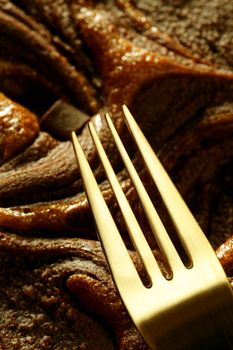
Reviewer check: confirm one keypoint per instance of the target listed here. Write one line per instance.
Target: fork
(193, 308)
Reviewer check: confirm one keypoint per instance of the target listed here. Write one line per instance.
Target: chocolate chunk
(62, 118)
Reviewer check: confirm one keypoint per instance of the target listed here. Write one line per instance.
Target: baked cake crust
(171, 63)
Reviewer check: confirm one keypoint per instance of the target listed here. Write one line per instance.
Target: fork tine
(187, 228)
(155, 222)
(133, 227)
(113, 245)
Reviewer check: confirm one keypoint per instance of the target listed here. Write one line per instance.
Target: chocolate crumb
(62, 118)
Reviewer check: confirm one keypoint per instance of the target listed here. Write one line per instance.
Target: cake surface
(63, 63)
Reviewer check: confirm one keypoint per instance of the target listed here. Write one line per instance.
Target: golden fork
(194, 308)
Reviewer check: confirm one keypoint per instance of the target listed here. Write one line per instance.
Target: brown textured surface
(51, 304)
(171, 63)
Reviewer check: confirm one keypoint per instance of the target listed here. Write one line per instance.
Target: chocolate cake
(62, 63)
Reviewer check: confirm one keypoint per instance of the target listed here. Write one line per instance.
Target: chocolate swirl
(171, 63)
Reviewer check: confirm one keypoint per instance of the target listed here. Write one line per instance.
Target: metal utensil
(194, 308)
